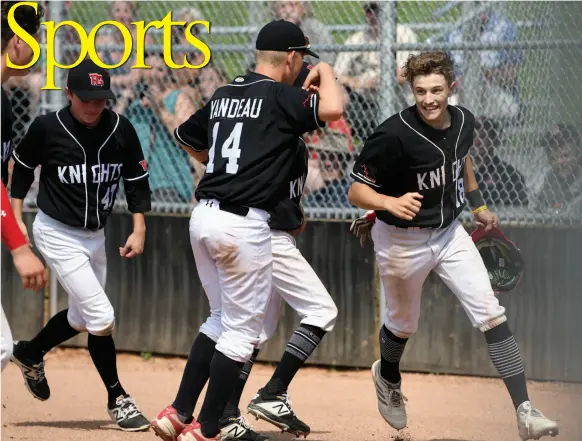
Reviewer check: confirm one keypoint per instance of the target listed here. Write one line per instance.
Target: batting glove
(362, 227)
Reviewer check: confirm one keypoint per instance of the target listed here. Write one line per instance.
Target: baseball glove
(362, 227)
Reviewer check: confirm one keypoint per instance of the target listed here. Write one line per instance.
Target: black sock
(231, 408)
(506, 358)
(301, 345)
(391, 349)
(56, 331)
(195, 376)
(102, 351)
(224, 374)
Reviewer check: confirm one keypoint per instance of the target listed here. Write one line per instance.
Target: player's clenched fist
(405, 207)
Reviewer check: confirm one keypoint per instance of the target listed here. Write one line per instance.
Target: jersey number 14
(229, 150)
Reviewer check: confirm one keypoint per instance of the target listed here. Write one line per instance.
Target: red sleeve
(11, 234)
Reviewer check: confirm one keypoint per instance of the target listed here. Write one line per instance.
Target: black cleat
(127, 416)
(277, 410)
(237, 428)
(33, 372)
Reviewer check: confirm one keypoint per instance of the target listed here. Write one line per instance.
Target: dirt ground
(337, 405)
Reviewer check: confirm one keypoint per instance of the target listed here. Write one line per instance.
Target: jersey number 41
(229, 149)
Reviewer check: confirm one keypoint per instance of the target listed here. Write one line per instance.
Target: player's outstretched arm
(483, 217)
(330, 92)
(28, 266)
(405, 207)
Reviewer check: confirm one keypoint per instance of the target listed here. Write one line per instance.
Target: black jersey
(81, 167)
(405, 155)
(7, 135)
(250, 127)
(287, 214)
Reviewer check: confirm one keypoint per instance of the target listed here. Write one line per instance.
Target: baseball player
(415, 173)
(247, 135)
(84, 150)
(295, 282)
(28, 266)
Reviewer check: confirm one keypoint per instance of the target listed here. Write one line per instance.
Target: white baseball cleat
(533, 424)
(390, 399)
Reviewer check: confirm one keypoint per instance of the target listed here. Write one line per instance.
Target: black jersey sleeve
(135, 172)
(193, 132)
(300, 106)
(27, 156)
(378, 158)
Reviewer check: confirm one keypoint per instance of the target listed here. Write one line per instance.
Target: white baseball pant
(234, 262)
(406, 257)
(7, 344)
(77, 256)
(297, 283)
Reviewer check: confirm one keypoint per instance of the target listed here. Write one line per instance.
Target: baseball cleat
(168, 425)
(193, 432)
(237, 428)
(277, 410)
(533, 424)
(127, 416)
(390, 399)
(33, 372)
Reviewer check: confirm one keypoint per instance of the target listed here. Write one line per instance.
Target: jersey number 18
(229, 149)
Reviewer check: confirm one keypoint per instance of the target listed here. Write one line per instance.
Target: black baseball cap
(90, 82)
(283, 36)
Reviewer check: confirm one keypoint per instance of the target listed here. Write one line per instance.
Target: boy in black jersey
(247, 135)
(295, 282)
(84, 150)
(416, 174)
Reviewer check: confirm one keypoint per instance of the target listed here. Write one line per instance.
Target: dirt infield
(337, 405)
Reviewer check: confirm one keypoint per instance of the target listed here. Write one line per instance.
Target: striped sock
(391, 349)
(301, 345)
(505, 356)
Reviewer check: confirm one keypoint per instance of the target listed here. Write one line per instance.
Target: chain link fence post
(388, 19)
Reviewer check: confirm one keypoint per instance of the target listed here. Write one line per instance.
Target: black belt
(235, 209)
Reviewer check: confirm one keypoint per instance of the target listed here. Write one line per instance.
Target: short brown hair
(428, 63)
(26, 18)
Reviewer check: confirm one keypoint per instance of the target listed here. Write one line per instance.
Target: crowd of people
(157, 99)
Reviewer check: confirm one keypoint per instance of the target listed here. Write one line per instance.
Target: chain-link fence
(517, 71)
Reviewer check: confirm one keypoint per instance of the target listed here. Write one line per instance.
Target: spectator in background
(500, 183)
(123, 76)
(562, 187)
(328, 179)
(201, 82)
(300, 13)
(155, 108)
(359, 72)
(496, 92)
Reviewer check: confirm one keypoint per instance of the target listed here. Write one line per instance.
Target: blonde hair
(274, 58)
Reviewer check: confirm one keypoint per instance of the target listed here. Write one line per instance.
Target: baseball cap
(283, 36)
(90, 82)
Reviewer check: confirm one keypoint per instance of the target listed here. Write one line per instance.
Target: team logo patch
(96, 79)
(144, 165)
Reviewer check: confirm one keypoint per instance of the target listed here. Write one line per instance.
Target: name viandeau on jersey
(236, 108)
(101, 173)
